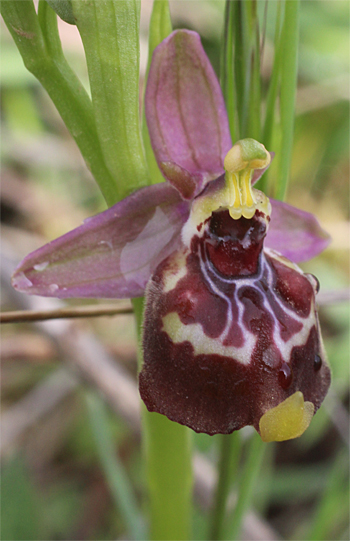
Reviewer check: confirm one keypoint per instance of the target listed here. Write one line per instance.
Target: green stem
(167, 445)
(246, 486)
(118, 482)
(168, 465)
(160, 27)
(273, 84)
(48, 23)
(270, 118)
(239, 63)
(289, 68)
(167, 449)
(227, 67)
(331, 501)
(253, 129)
(42, 57)
(138, 306)
(228, 465)
(245, 22)
(109, 30)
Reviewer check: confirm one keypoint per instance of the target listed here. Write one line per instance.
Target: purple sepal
(186, 114)
(113, 254)
(294, 233)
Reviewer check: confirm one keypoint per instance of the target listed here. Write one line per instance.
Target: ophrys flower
(231, 335)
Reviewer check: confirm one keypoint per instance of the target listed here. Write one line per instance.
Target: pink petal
(294, 233)
(186, 113)
(112, 254)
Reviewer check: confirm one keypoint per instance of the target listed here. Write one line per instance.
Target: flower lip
(223, 227)
(234, 247)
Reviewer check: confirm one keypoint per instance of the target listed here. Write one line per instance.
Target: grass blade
(227, 66)
(273, 84)
(332, 512)
(118, 482)
(289, 67)
(254, 108)
(246, 485)
(230, 452)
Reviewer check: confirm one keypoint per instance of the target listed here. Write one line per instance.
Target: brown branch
(99, 310)
(22, 316)
(333, 296)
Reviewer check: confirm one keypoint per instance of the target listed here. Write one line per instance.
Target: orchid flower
(231, 334)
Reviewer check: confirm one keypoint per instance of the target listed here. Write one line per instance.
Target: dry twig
(93, 310)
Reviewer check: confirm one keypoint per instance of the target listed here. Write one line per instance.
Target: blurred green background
(53, 485)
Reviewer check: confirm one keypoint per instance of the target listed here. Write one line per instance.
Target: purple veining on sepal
(294, 233)
(186, 114)
(113, 254)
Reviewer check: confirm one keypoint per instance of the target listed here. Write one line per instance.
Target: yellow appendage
(237, 195)
(288, 420)
(240, 162)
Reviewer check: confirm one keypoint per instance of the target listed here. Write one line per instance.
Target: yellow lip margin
(288, 420)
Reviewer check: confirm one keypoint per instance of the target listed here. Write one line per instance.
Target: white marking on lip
(178, 271)
(203, 344)
(299, 338)
(284, 347)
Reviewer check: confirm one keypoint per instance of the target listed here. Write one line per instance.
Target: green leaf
(332, 512)
(38, 44)
(20, 506)
(273, 84)
(110, 33)
(246, 485)
(253, 129)
(64, 10)
(240, 63)
(289, 68)
(160, 26)
(230, 452)
(227, 67)
(270, 114)
(117, 479)
(247, 65)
